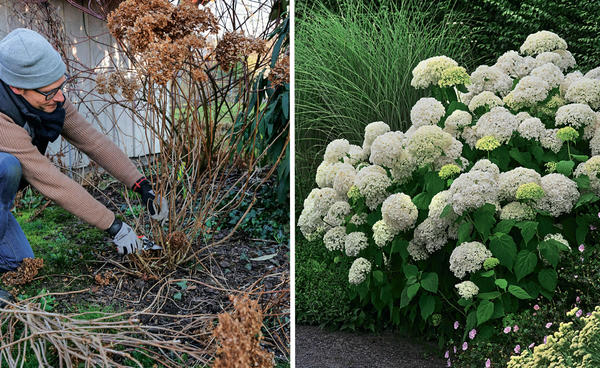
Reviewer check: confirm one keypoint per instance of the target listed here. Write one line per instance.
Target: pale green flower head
(487, 143)
(550, 167)
(436, 319)
(354, 193)
(530, 191)
(490, 263)
(454, 76)
(567, 134)
(448, 171)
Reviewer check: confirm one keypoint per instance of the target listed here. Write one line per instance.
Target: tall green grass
(354, 67)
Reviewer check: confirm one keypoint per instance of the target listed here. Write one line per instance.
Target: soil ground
(318, 348)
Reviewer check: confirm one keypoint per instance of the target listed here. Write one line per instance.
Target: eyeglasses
(50, 94)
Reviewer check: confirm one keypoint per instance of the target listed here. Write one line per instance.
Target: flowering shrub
(468, 213)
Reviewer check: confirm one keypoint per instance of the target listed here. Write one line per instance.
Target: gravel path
(316, 348)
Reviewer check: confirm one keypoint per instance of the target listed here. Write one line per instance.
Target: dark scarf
(46, 126)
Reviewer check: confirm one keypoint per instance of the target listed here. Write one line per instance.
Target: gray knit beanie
(28, 60)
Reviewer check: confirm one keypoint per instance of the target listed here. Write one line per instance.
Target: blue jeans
(13, 243)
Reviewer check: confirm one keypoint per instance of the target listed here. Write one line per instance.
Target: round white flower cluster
(468, 257)
(387, 149)
(509, 182)
(528, 92)
(531, 128)
(359, 271)
(355, 155)
(316, 206)
(517, 211)
(373, 131)
(594, 73)
(344, 179)
(359, 219)
(429, 71)
(561, 194)
(542, 41)
(399, 213)
(591, 168)
(575, 115)
(372, 182)
(335, 239)
(382, 233)
(336, 150)
(355, 242)
(472, 190)
(467, 289)
(438, 204)
(430, 235)
(417, 251)
(455, 123)
(499, 123)
(563, 59)
(487, 166)
(486, 99)
(427, 111)
(515, 65)
(327, 172)
(559, 238)
(428, 143)
(493, 79)
(585, 91)
(337, 213)
(569, 79)
(550, 141)
(549, 73)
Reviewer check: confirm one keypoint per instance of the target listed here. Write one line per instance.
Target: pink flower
(581, 247)
(488, 363)
(465, 346)
(545, 339)
(456, 324)
(577, 300)
(454, 349)
(447, 355)
(507, 329)
(536, 307)
(592, 227)
(472, 334)
(531, 345)
(588, 314)
(515, 328)
(598, 214)
(579, 313)
(448, 363)
(518, 349)
(549, 324)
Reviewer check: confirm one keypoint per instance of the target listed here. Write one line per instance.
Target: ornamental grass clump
(468, 213)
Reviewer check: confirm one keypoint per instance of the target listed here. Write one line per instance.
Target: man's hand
(124, 237)
(158, 211)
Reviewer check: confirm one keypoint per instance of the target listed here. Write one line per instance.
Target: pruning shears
(148, 244)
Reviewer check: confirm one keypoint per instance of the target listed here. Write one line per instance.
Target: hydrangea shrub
(468, 213)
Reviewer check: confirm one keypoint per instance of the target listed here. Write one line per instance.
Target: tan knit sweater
(43, 175)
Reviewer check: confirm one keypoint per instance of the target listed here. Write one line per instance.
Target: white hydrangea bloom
(344, 179)
(327, 172)
(468, 257)
(531, 128)
(356, 154)
(429, 71)
(569, 79)
(382, 233)
(575, 115)
(517, 211)
(399, 213)
(403, 169)
(485, 98)
(548, 57)
(437, 206)
(559, 238)
(523, 115)
(431, 235)
(542, 41)
(311, 225)
(359, 219)
(427, 144)
(335, 239)
(493, 79)
(528, 92)
(336, 150)
(451, 154)
(499, 122)
(359, 271)
(549, 73)
(316, 206)
(373, 131)
(337, 213)
(427, 111)
(387, 149)
(320, 200)
(586, 91)
(469, 135)
(561, 194)
(593, 74)
(465, 97)
(417, 251)
(467, 289)
(455, 123)
(472, 190)
(514, 64)
(550, 141)
(591, 168)
(487, 166)
(511, 180)
(595, 143)
(567, 61)
(355, 242)
(372, 182)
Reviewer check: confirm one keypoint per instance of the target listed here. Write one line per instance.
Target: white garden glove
(124, 237)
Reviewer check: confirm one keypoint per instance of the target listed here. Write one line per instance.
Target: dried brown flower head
(234, 46)
(239, 336)
(25, 273)
(280, 74)
(110, 83)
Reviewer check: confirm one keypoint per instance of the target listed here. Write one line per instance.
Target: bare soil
(318, 348)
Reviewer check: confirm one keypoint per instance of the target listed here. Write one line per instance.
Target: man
(34, 112)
